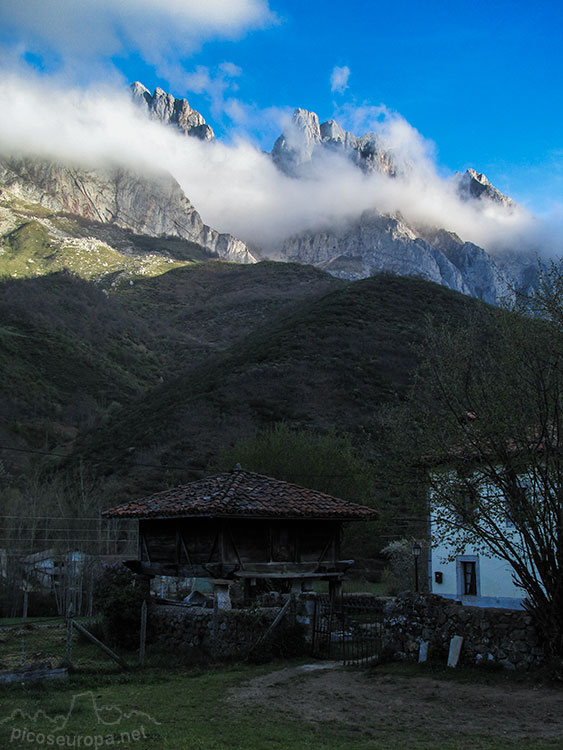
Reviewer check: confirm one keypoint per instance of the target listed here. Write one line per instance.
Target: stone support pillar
(222, 594)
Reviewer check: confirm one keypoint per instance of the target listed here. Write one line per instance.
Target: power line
(94, 461)
(67, 518)
(403, 483)
(398, 483)
(144, 465)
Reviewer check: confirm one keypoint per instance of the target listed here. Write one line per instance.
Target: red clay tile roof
(241, 493)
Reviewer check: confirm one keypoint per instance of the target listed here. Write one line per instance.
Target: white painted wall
(495, 587)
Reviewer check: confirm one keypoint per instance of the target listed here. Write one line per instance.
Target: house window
(508, 522)
(466, 505)
(467, 572)
(469, 578)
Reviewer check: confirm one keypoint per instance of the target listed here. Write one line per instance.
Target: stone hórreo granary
(242, 525)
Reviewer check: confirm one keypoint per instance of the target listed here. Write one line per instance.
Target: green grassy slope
(35, 241)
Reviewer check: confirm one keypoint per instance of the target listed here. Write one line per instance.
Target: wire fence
(49, 562)
(43, 643)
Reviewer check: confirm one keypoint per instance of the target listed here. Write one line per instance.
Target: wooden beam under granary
(241, 525)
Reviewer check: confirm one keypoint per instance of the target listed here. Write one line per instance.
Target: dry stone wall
(492, 636)
(216, 632)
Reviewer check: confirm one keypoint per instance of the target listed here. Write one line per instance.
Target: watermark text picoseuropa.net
(31, 737)
(106, 724)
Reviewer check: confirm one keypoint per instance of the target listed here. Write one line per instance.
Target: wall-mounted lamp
(416, 550)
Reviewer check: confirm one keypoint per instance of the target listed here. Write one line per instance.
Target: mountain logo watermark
(107, 725)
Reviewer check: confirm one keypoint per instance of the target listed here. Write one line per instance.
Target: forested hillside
(152, 384)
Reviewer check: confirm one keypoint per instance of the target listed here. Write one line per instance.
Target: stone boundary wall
(221, 632)
(233, 631)
(493, 636)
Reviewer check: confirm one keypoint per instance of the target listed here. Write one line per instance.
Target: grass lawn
(194, 708)
(43, 639)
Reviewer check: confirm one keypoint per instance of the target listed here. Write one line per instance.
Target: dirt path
(379, 702)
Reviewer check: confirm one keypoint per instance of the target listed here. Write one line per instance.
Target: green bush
(118, 597)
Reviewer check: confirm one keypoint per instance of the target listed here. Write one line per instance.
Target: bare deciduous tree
(486, 421)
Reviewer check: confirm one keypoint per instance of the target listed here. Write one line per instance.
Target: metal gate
(347, 629)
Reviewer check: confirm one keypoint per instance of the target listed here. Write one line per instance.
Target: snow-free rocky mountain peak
(475, 185)
(306, 140)
(108, 202)
(169, 110)
(376, 242)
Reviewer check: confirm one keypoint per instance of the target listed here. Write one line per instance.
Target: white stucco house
(460, 570)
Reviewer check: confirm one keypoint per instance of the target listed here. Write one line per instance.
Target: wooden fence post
(25, 601)
(143, 638)
(68, 651)
(99, 644)
(279, 617)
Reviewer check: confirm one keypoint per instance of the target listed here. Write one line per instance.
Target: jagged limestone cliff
(375, 241)
(305, 141)
(148, 204)
(153, 205)
(169, 110)
(475, 185)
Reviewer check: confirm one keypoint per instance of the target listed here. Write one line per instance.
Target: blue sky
(481, 80)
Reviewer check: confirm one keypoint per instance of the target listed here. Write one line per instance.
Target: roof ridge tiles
(242, 493)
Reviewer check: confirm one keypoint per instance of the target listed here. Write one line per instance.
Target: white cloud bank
(236, 187)
(83, 33)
